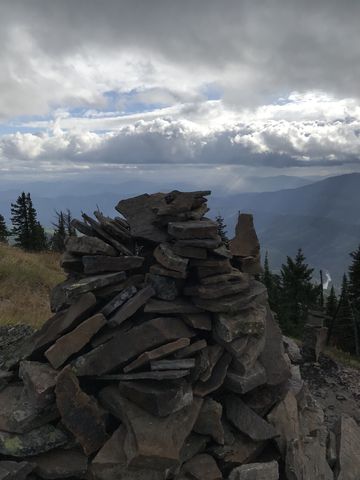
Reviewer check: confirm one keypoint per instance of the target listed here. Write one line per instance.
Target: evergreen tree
(60, 232)
(29, 234)
(4, 233)
(354, 280)
(344, 331)
(331, 304)
(297, 293)
(222, 229)
(70, 230)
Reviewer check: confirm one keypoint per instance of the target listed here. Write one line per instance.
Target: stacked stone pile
(162, 360)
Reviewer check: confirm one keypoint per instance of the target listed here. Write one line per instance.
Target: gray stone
(215, 291)
(216, 379)
(36, 441)
(242, 384)
(191, 349)
(80, 413)
(154, 375)
(125, 346)
(250, 321)
(153, 442)
(199, 321)
(140, 213)
(39, 381)
(158, 398)
(208, 243)
(213, 354)
(61, 464)
(165, 255)
(165, 287)
(90, 284)
(157, 353)
(257, 471)
(209, 421)
(202, 467)
(247, 421)
(89, 246)
(185, 364)
(182, 202)
(74, 341)
(131, 306)
(71, 263)
(272, 356)
(15, 470)
(348, 445)
(99, 263)
(222, 266)
(19, 414)
(118, 300)
(178, 306)
(292, 349)
(193, 229)
(190, 252)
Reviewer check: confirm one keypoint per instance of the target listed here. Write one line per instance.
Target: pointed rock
(80, 413)
(245, 243)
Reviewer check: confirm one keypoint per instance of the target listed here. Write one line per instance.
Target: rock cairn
(162, 360)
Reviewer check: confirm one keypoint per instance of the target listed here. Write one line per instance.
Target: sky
(205, 91)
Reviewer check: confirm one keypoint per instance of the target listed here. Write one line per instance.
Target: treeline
(27, 231)
(294, 290)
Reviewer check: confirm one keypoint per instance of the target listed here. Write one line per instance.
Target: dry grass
(25, 283)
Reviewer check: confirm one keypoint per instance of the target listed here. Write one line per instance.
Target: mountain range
(320, 216)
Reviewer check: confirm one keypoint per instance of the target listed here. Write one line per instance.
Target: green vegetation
(26, 280)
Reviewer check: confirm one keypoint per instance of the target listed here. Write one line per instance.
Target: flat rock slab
(234, 276)
(157, 353)
(159, 399)
(99, 263)
(202, 467)
(182, 202)
(215, 291)
(247, 421)
(191, 349)
(216, 379)
(245, 243)
(256, 471)
(37, 441)
(156, 375)
(63, 322)
(251, 379)
(158, 269)
(233, 303)
(199, 321)
(165, 287)
(165, 255)
(190, 252)
(39, 381)
(223, 266)
(71, 263)
(178, 306)
(348, 463)
(89, 246)
(153, 442)
(111, 463)
(119, 300)
(125, 346)
(185, 364)
(193, 229)
(74, 341)
(15, 470)
(250, 321)
(80, 413)
(207, 243)
(19, 414)
(94, 283)
(61, 464)
(140, 213)
(209, 421)
(131, 306)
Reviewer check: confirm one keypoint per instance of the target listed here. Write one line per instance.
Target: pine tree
(70, 230)
(354, 279)
(297, 293)
(222, 229)
(58, 239)
(29, 234)
(344, 331)
(271, 281)
(4, 233)
(331, 304)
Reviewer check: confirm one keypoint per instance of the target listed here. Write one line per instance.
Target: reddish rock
(80, 413)
(245, 243)
(74, 341)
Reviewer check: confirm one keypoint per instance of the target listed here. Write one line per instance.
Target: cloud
(70, 53)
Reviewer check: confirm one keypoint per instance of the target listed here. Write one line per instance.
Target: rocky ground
(336, 388)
